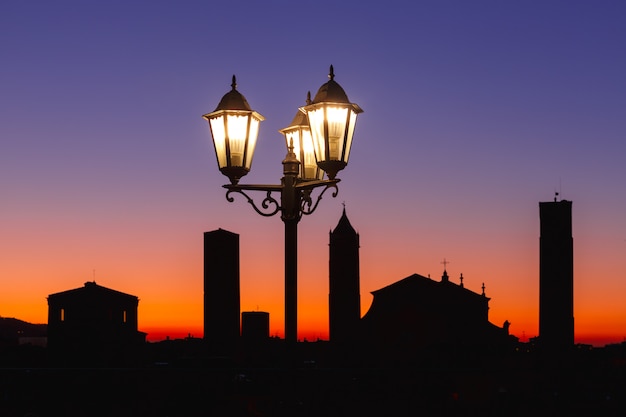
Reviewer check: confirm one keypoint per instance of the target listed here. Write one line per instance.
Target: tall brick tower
(556, 276)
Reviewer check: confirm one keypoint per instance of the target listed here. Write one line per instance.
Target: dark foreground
(195, 391)
(180, 379)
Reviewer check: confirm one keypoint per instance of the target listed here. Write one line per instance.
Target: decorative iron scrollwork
(269, 205)
(300, 191)
(306, 203)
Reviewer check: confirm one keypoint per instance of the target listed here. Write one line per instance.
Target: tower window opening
(62, 315)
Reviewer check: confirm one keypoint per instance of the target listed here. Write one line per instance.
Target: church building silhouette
(414, 313)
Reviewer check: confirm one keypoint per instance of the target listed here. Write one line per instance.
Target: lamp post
(321, 131)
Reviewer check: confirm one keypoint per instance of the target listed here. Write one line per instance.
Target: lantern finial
(331, 75)
(308, 98)
(234, 83)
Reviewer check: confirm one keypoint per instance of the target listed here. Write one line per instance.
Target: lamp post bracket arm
(254, 187)
(269, 205)
(309, 185)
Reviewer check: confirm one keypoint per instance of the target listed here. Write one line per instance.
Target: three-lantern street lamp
(318, 142)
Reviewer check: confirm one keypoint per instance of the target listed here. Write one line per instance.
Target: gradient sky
(474, 112)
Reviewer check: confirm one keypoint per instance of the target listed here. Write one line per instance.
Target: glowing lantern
(332, 119)
(298, 136)
(234, 128)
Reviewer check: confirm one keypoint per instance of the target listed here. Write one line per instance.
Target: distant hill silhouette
(11, 329)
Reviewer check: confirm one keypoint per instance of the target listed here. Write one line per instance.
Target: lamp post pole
(290, 197)
(321, 134)
(291, 280)
(295, 201)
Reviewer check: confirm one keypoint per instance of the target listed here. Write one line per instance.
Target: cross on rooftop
(445, 262)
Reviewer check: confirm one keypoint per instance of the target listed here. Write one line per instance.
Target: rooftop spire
(344, 226)
(444, 277)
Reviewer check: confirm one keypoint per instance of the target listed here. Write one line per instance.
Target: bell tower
(556, 276)
(344, 298)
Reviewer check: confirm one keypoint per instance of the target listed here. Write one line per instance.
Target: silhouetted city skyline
(473, 112)
(411, 314)
(422, 340)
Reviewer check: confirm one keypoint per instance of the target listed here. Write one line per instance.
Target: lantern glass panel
(350, 134)
(337, 118)
(237, 126)
(254, 133)
(219, 139)
(316, 121)
(309, 164)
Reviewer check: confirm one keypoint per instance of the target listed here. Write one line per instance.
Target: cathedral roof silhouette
(419, 312)
(417, 286)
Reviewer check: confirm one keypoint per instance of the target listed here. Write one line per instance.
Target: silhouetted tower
(344, 298)
(221, 289)
(556, 276)
(255, 326)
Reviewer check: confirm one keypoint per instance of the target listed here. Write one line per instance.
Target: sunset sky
(474, 112)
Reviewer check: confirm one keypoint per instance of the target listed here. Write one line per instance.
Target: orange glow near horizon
(171, 295)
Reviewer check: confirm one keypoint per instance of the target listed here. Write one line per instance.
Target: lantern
(234, 128)
(332, 119)
(298, 136)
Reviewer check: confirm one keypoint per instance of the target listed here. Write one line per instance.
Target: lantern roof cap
(300, 119)
(331, 91)
(233, 100)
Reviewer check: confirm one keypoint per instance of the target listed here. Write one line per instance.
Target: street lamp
(322, 131)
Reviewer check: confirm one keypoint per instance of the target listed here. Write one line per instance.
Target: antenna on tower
(557, 193)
